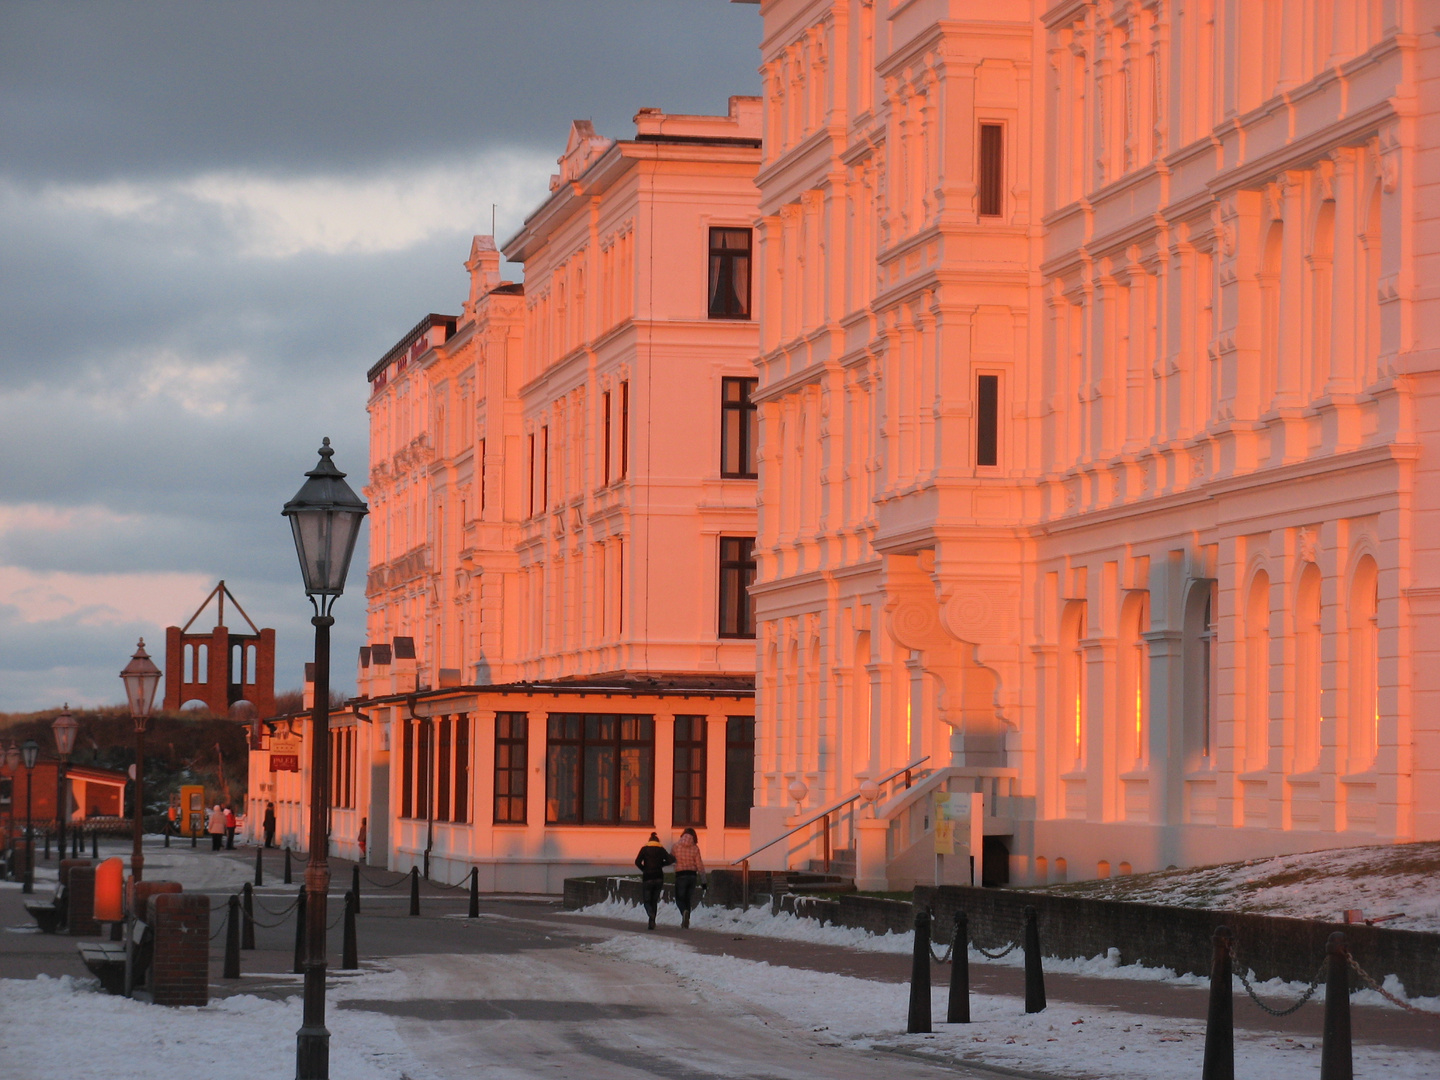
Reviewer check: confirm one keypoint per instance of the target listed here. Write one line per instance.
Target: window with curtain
(737, 574)
(688, 804)
(599, 769)
(739, 431)
(511, 753)
(729, 294)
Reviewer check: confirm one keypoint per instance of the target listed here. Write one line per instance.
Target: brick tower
(220, 667)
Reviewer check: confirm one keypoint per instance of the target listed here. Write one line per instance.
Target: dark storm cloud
(95, 90)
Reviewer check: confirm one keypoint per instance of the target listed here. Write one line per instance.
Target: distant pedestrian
(215, 826)
(230, 824)
(268, 823)
(364, 822)
(688, 868)
(170, 820)
(652, 860)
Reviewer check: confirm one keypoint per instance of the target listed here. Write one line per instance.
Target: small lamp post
(325, 518)
(10, 763)
(29, 752)
(64, 726)
(141, 677)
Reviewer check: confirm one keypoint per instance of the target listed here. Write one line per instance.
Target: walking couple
(653, 859)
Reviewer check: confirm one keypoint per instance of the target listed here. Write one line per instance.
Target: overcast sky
(213, 219)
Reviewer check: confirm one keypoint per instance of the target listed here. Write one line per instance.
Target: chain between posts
(997, 955)
(1370, 982)
(1240, 970)
(403, 880)
(949, 951)
(279, 915)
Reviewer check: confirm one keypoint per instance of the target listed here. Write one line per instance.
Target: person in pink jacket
(688, 868)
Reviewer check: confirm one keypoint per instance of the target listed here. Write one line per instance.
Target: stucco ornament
(915, 624)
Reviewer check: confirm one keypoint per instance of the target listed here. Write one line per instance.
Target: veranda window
(599, 769)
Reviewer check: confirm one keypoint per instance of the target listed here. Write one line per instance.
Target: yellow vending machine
(192, 810)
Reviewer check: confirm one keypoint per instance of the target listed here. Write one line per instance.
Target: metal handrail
(830, 810)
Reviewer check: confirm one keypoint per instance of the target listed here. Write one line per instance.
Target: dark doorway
(995, 862)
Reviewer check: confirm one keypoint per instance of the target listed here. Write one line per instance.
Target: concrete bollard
(1336, 1062)
(414, 890)
(349, 958)
(231, 969)
(300, 934)
(259, 868)
(1220, 1020)
(1034, 973)
(355, 884)
(247, 926)
(474, 912)
(287, 867)
(957, 1010)
(919, 1020)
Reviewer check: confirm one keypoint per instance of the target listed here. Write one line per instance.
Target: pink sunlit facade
(1097, 387)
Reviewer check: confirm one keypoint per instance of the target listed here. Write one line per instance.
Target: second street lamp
(30, 751)
(141, 677)
(64, 727)
(325, 518)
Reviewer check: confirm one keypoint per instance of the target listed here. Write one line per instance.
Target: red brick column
(146, 889)
(66, 865)
(80, 902)
(180, 968)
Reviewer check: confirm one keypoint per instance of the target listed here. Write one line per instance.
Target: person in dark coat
(269, 824)
(652, 860)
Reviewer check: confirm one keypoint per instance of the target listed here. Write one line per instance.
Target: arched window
(202, 663)
(1072, 685)
(1134, 682)
(1307, 671)
(188, 664)
(1363, 730)
(1257, 673)
(1200, 612)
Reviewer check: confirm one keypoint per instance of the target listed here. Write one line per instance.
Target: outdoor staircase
(800, 881)
(842, 863)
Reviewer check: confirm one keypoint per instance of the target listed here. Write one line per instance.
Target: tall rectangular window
(605, 440)
(531, 438)
(737, 574)
(407, 770)
(688, 805)
(462, 769)
(545, 468)
(739, 770)
(624, 429)
(425, 760)
(511, 733)
(739, 432)
(484, 476)
(599, 769)
(442, 786)
(987, 420)
(729, 295)
(992, 170)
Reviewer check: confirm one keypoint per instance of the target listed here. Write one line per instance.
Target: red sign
(284, 762)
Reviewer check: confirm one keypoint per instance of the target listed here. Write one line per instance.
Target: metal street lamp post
(30, 751)
(141, 677)
(10, 760)
(64, 726)
(325, 518)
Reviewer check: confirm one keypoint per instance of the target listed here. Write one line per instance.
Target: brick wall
(146, 889)
(180, 970)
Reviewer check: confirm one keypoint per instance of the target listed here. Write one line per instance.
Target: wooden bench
(49, 915)
(106, 959)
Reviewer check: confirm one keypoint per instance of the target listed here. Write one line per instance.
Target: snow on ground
(75, 1030)
(1064, 1040)
(758, 922)
(1389, 879)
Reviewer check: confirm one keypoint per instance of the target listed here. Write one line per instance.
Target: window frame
(746, 424)
(990, 422)
(717, 271)
(513, 744)
(582, 742)
(689, 808)
(744, 728)
(990, 182)
(744, 626)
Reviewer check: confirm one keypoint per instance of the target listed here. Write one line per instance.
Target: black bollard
(247, 926)
(287, 867)
(47, 846)
(474, 912)
(117, 931)
(957, 1011)
(259, 869)
(1034, 974)
(232, 940)
(75, 844)
(349, 958)
(1335, 1059)
(167, 836)
(414, 890)
(194, 839)
(95, 843)
(919, 1020)
(300, 934)
(355, 884)
(1220, 1020)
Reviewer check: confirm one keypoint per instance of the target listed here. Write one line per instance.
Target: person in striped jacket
(688, 868)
